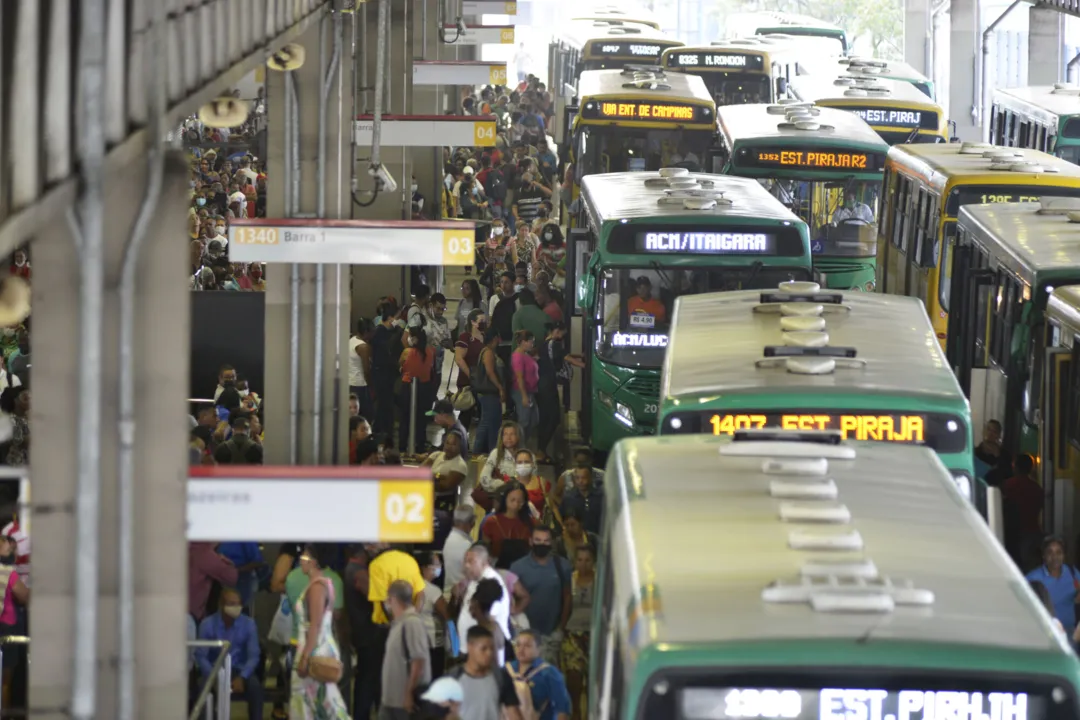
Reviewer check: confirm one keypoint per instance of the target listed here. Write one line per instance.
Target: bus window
(1007, 303)
(945, 276)
(1034, 374)
(634, 150)
(985, 301)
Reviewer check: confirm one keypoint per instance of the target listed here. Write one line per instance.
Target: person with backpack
(540, 687)
(487, 384)
(239, 449)
(488, 692)
(494, 187)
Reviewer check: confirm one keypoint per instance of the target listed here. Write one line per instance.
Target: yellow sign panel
(511, 8)
(498, 74)
(459, 247)
(887, 428)
(249, 235)
(406, 511)
(506, 35)
(484, 133)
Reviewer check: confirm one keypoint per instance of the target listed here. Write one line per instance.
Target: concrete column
(1046, 51)
(161, 422)
(965, 41)
(916, 34)
(309, 80)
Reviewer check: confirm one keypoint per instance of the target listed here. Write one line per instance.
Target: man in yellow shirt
(386, 566)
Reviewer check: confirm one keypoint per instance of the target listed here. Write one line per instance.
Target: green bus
(645, 239)
(814, 159)
(1043, 118)
(1006, 260)
(799, 358)
(820, 36)
(764, 577)
(871, 68)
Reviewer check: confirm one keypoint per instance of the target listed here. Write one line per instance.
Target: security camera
(462, 30)
(383, 178)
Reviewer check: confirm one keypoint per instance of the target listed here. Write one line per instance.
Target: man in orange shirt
(644, 302)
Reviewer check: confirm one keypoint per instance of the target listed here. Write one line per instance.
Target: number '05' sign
(406, 511)
(498, 74)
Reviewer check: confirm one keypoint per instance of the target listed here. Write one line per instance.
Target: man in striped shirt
(529, 198)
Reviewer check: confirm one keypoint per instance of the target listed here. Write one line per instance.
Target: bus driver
(853, 210)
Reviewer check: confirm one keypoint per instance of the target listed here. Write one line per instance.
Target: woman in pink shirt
(526, 378)
(15, 591)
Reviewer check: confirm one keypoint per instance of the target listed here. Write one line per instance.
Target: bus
(747, 70)
(1059, 429)
(646, 239)
(865, 364)
(640, 118)
(925, 187)
(895, 109)
(593, 44)
(617, 12)
(1043, 118)
(871, 68)
(771, 578)
(824, 164)
(1006, 262)
(822, 37)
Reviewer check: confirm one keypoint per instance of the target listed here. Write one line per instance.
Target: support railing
(221, 671)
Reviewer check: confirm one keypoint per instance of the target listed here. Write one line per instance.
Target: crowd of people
(227, 181)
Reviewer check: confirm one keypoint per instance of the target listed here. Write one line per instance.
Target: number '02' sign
(406, 511)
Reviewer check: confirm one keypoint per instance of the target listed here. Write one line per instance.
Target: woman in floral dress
(311, 699)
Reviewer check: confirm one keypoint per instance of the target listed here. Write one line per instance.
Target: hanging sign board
(353, 242)
(427, 130)
(481, 35)
(488, 7)
(256, 503)
(458, 72)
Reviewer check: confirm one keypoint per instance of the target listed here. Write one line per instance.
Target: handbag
(463, 399)
(281, 626)
(324, 669)
(479, 380)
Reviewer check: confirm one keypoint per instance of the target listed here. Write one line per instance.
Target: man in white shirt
(853, 210)
(457, 544)
(477, 568)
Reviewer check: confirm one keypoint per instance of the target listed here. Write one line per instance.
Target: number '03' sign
(458, 247)
(406, 511)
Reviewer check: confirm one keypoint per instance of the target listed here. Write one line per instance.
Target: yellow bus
(893, 108)
(1059, 439)
(1045, 118)
(641, 119)
(598, 44)
(739, 71)
(925, 187)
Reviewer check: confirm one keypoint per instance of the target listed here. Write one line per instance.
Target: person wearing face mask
(255, 277)
(417, 200)
(20, 264)
(547, 578)
(853, 211)
(434, 611)
(226, 379)
(527, 201)
(214, 252)
(231, 625)
(525, 245)
(537, 488)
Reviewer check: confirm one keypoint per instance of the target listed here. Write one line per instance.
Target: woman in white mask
(538, 489)
(434, 611)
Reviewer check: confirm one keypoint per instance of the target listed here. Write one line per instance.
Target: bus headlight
(605, 400)
(624, 414)
(963, 484)
(871, 286)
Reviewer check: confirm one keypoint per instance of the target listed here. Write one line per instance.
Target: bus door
(1059, 506)
(968, 286)
(580, 295)
(569, 112)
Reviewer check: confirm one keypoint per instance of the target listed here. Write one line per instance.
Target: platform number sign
(498, 74)
(406, 511)
(459, 247)
(484, 133)
(255, 235)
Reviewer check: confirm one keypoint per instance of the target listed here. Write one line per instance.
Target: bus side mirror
(781, 88)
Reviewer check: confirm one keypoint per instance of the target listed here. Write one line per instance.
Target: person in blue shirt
(230, 624)
(547, 578)
(585, 497)
(550, 698)
(1061, 580)
(248, 560)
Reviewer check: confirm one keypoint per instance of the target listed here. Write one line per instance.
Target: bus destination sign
(865, 703)
(628, 49)
(647, 111)
(879, 427)
(715, 60)
(817, 159)
(896, 117)
(707, 243)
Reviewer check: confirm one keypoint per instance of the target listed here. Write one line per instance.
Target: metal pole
(339, 41)
(292, 163)
(363, 58)
(1069, 67)
(414, 395)
(155, 94)
(320, 271)
(225, 687)
(91, 238)
(983, 97)
(380, 81)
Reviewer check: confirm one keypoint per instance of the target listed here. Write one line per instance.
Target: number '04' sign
(406, 511)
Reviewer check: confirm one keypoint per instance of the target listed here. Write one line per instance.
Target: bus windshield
(739, 88)
(1070, 153)
(612, 149)
(635, 304)
(842, 215)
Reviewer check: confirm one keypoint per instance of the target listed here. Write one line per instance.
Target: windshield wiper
(911, 138)
(660, 271)
(755, 268)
